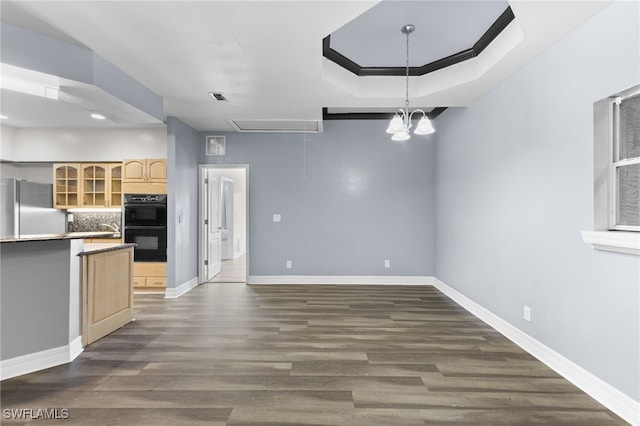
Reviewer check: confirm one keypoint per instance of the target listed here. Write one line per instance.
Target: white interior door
(212, 225)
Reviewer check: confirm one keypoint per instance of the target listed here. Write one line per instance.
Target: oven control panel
(145, 198)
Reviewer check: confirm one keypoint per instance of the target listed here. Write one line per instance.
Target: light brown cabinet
(145, 170)
(65, 180)
(87, 185)
(115, 185)
(144, 176)
(107, 293)
(94, 185)
(150, 276)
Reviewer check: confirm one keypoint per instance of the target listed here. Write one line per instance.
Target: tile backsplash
(93, 221)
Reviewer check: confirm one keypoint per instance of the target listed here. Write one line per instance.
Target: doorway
(223, 224)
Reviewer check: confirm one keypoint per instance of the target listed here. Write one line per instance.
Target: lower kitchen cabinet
(150, 276)
(107, 292)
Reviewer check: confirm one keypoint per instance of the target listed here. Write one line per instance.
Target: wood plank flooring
(232, 354)
(232, 271)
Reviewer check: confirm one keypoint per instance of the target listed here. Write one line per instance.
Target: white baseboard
(616, 401)
(174, 293)
(75, 348)
(338, 279)
(26, 364)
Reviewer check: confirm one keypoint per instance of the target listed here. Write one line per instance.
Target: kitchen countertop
(93, 248)
(63, 236)
(114, 235)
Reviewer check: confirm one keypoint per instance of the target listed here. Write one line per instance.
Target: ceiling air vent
(218, 96)
(214, 145)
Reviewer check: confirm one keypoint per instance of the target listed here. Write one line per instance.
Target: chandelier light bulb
(424, 127)
(396, 125)
(401, 136)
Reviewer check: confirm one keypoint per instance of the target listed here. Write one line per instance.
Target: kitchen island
(41, 320)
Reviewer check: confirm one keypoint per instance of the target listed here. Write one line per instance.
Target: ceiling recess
(471, 52)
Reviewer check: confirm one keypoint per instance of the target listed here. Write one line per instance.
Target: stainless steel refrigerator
(27, 208)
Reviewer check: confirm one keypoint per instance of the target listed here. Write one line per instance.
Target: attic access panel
(277, 126)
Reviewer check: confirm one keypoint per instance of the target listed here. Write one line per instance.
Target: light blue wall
(349, 199)
(183, 146)
(515, 189)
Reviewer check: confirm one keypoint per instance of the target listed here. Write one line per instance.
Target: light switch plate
(276, 217)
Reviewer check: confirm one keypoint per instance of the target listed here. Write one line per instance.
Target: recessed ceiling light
(52, 93)
(97, 116)
(3, 117)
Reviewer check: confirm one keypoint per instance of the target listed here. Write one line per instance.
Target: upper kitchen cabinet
(87, 185)
(65, 180)
(144, 176)
(145, 171)
(101, 185)
(115, 185)
(94, 185)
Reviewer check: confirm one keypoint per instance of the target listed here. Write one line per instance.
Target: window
(626, 163)
(617, 173)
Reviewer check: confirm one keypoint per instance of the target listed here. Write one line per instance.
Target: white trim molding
(616, 401)
(37, 361)
(340, 279)
(174, 293)
(617, 241)
(75, 348)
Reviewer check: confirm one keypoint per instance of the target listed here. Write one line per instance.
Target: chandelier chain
(401, 121)
(406, 102)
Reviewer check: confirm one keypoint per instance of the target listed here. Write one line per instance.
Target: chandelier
(401, 122)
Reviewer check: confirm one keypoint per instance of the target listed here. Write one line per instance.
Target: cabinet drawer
(139, 281)
(150, 269)
(156, 282)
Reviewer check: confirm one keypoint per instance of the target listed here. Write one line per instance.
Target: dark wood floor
(313, 355)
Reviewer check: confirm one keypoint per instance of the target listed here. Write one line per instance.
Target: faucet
(114, 227)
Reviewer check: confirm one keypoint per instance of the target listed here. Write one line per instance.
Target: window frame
(616, 163)
(606, 233)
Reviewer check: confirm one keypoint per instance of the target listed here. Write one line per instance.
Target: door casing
(202, 214)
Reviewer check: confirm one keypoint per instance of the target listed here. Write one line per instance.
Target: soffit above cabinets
(30, 99)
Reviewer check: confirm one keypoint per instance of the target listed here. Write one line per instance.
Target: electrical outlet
(527, 313)
(277, 217)
(289, 264)
(387, 263)
(70, 217)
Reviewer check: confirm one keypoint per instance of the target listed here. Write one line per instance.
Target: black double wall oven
(145, 224)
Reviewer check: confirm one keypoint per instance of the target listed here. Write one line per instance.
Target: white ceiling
(266, 56)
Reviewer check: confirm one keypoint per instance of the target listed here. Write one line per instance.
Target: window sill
(617, 241)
